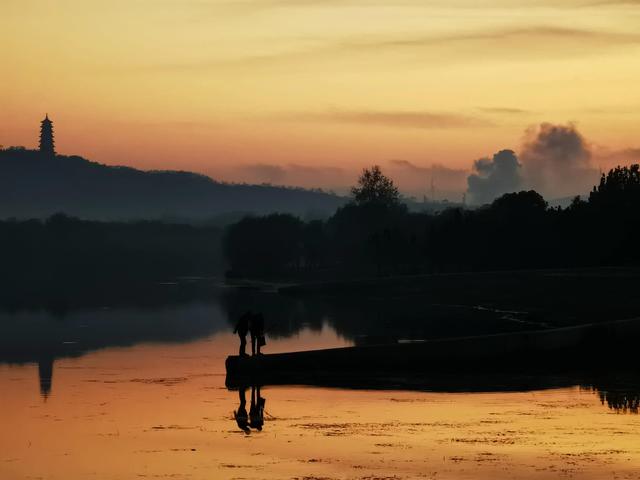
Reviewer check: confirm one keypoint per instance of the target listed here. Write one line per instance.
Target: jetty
(573, 348)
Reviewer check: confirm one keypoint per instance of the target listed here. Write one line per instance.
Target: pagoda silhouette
(47, 147)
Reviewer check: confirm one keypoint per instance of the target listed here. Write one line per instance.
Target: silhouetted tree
(64, 249)
(374, 187)
(614, 211)
(376, 234)
(314, 245)
(520, 203)
(619, 189)
(264, 245)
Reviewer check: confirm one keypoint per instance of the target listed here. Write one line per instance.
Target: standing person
(242, 327)
(256, 327)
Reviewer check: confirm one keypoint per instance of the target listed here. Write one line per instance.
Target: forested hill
(32, 186)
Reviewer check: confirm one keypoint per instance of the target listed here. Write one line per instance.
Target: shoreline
(548, 351)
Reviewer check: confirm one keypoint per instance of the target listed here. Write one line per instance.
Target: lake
(128, 389)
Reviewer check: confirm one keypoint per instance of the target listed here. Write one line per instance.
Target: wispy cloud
(291, 173)
(435, 180)
(435, 169)
(625, 155)
(455, 4)
(505, 110)
(629, 109)
(535, 42)
(265, 172)
(536, 33)
(403, 119)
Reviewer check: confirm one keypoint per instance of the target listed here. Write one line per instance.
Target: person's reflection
(255, 418)
(242, 419)
(256, 412)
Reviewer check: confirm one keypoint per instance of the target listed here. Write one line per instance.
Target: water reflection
(254, 419)
(160, 407)
(362, 318)
(45, 374)
(621, 395)
(42, 330)
(241, 415)
(180, 313)
(256, 413)
(619, 398)
(621, 401)
(41, 337)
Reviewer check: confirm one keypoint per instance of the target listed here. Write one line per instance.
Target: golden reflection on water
(162, 411)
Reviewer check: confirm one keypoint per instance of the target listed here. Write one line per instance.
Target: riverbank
(553, 350)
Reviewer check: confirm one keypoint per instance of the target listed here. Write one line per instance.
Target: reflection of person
(242, 327)
(256, 327)
(256, 412)
(242, 419)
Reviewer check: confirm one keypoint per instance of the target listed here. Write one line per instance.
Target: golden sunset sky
(308, 92)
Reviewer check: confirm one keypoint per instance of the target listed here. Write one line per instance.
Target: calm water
(138, 392)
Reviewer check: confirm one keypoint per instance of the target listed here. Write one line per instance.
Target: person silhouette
(242, 327)
(242, 419)
(256, 327)
(256, 411)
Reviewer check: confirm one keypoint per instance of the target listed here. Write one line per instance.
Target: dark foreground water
(137, 391)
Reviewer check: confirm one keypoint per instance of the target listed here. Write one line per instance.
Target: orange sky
(309, 91)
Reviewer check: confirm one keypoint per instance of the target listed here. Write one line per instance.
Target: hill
(34, 186)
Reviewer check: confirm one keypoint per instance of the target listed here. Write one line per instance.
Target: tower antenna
(433, 189)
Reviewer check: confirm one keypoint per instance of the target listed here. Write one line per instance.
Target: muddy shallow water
(162, 411)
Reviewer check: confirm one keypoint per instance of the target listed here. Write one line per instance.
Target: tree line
(63, 249)
(375, 234)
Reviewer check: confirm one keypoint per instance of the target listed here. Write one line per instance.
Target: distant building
(46, 137)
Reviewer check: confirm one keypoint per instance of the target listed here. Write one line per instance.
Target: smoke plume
(494, 177)
(557, 161)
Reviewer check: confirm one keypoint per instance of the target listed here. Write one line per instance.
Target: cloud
(557, 161)
(625, 155)
(501, 41)
(412, 179)
(506, 34)
(601, 3)
(291, 174)
(541, 42)
(435, 170)
(265, 173)
(494, 177)
(505, 110)
(403, 119)
(252, 5)
(418, 180)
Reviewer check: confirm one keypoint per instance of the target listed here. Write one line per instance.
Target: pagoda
(46, 137)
